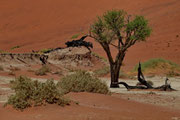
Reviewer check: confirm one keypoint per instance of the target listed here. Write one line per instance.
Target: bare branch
(114, 45)
(108, 52)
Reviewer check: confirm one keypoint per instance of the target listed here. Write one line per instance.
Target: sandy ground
(168, 99)
(122, 104)
(34, 25)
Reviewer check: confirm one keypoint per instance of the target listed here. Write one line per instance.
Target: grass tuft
(102, 71)
(75, 36)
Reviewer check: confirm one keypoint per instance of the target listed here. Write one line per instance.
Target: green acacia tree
(117, 25)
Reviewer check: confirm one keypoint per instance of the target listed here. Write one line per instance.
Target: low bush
(33, 93)
(43, 70)
(82, 81)
(158, 65)
(102, 71)
(100, 57)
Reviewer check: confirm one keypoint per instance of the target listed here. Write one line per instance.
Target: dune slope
(34, 25)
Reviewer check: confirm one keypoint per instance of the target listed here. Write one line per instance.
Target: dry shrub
(43, 70)
(82, 81)
(33, 93)
(102, 71)
(15, 69)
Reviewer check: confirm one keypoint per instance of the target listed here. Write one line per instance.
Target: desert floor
(122, 104)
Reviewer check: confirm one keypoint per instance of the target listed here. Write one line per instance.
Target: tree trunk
(114, 65)
(114, 76)
(115, 71)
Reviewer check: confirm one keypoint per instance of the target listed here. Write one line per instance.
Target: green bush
(158, 66)
(43, 70)
(102, 71)
(82, 81)
(33, 93)
(157, 63)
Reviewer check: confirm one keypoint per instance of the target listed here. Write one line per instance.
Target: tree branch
(108, 52)
(114, 45)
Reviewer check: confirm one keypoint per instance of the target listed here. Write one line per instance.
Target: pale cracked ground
(168, 99)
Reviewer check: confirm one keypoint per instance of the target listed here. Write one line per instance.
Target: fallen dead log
(132, 87)
(146, 85)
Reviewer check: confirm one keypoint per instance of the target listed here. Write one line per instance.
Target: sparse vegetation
(43, 70)
(1, 51)
(60, 73)
(102, 71)
(44, 50)
(33, 93)
(82, 81)
(15, 47)
(157, 65)
(125, 75)
(71, 69)
(1, 68)
(15, 69)
(11, 73)
(100, 57)
(172, 74)
(75, 36)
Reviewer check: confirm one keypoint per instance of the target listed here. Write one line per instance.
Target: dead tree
(141, 78)
(146, 85)
(80, 42)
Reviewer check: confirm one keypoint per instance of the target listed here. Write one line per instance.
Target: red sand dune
(49, 23)
(93, 107)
